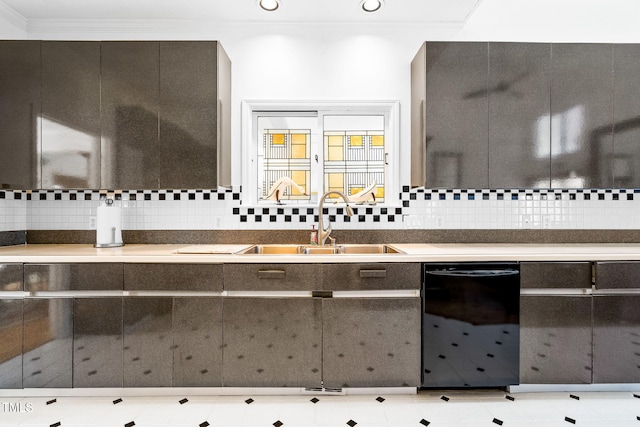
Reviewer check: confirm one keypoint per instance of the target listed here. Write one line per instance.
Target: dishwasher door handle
(473, 273)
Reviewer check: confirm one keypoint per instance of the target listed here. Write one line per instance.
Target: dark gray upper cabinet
(454, 126)
(546, 111)
(626, 112)
(70, 122)
(519, 125)
(188, 119)
(19, 113)
(130, 104)
(581, 112)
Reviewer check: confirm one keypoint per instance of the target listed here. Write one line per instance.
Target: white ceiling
(230, 11)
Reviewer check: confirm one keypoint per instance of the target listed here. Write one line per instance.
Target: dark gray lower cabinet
(555, 339)
(47, 343)
(371, 342)
(272, 342)
(616, 339)
(148, 343)
(97, 342)
(197, 338)
(11, 338)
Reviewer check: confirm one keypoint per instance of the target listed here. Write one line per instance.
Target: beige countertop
(141, 253)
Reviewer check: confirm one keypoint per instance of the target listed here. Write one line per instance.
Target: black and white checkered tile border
(362, 214)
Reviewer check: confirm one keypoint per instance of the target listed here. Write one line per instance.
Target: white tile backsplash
(428, 209)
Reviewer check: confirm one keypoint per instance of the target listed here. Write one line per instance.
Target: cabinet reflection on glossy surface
(626, 126)
(371, 342)
(130, 95)
(555, 339)
(581, 112)
(70, 115)
(456, 123)
(616, 339)
(67, 277)
(272, 342)
(197, 337)
(48, 343)
(20, 109)
(11, 338)
(97, 342)
(519, 125)
(148, 342)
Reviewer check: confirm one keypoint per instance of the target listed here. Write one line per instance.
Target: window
(297, 152)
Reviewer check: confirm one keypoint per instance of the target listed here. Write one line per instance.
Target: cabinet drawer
(559, 275)
(11, 277)
(173, 277)
(272, 277)
(617, 275)
(73, 277)
(365, 277)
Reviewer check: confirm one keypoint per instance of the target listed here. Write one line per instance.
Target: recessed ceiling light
(371, 5)
(269, 5)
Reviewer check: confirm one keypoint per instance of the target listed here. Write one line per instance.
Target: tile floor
(460, 409)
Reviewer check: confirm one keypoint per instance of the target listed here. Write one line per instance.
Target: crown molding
(11, 15)
(95, 28)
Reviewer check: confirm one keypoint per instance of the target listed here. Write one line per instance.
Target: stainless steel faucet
(322, 233)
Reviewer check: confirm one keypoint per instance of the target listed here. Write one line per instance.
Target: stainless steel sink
(368, 249)
(355, 249)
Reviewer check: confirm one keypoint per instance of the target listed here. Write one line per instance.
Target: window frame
(249, 150)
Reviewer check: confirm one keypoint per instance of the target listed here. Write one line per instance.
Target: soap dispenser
(108, 224)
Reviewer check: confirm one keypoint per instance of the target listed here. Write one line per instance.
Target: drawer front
(173, 277)
(11, 277)
(617, 275)
(272, 277)
(366, 277)
(73, 277)
(558, 275)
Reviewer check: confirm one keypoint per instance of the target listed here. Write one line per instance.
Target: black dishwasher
(470, 325)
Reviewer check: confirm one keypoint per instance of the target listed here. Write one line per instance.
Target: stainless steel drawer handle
(373, 273)
(271, 274)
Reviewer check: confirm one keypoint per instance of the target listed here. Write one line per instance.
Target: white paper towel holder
(113, 228)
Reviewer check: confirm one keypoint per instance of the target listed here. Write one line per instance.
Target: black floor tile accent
(130, 424)
(573, 396)
(249, 401)
(570, 420)
(204, 424)
(511, 398)
(183, 401)
(424, 422)
(278, 424)
(497, 421)
(49, 402)
(115, 402)
(351, 423)
(380, 399)
(445, 398)
(58, 424)
(315, 400)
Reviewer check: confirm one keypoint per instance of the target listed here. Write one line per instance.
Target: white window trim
(390, 109)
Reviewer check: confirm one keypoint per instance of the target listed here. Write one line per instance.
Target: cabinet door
(555, 339)
(272, 342)
(20, 78)
(70, 120)
(148, 342)
(371, 342)
(173, 277)
(616, 339)
(626, 115)
(519, 125)
(367, 277)
(48, 343)
(272, 277)
(11, 313)
(581, 111)
(197, 337)
(129, 105)
(73, 277)
(555, 275)
(97, 342)
(617, 275)
(188, 103)
(456, 119)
